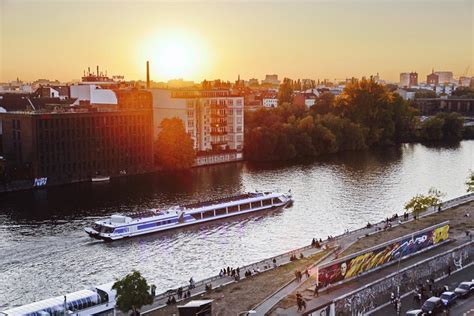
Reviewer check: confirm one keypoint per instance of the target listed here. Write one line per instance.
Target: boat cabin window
(277, 200)
(221, 211)
(267, 202)
(103, 296)
(245, 206)
(207, 214)
(234, 208)
(255, 204)
(103, 229)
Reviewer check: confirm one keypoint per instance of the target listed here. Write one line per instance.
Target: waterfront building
(271, 80)
(66, 143)
(444, 76)
(307, 99)
(465, 81)
(253, 82)
(270, 101)
(213, 118)
(406, 94)
(431, 106)
(432, 78)
(408, 79)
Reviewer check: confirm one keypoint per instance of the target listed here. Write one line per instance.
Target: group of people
(293, 257)
(300, 302)
(426, 289)
(316, 243)
(299, 274)
(230, 272)
(181, 294)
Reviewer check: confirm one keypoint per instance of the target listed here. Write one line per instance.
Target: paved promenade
(342, 242)
(160, 300)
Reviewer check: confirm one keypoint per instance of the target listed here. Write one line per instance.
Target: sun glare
(174, 56)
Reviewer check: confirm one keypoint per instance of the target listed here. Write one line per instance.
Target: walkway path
(216, 281)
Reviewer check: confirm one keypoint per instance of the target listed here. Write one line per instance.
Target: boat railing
(142, 214)
(223, 200)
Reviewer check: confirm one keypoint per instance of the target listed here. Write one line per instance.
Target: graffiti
(357, 264)
(406, 280)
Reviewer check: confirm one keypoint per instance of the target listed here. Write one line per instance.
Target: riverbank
(234, 297)
(230, 296)
(459, 224)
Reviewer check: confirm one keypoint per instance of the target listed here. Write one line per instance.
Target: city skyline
(322, 39)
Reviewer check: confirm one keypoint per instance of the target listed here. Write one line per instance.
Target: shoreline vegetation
(365, 115)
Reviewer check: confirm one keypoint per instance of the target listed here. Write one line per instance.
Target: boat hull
(96, 235)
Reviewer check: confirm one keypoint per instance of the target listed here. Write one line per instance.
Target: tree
(420, 203)
(174, 147)
(285, 93)
(324, 103)
(370, 105)
(432, 129)
(133, 292)
(453, 126)
(464, 92)
(470, 182)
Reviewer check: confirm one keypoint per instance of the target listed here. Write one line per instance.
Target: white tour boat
(99, 300)
(121, 226)
(100, 179)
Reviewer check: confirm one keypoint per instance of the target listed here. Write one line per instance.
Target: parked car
(464, 289)
(414, 312)
(432, 305)
(448, 298)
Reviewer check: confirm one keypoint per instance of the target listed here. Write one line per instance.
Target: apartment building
(213, 118)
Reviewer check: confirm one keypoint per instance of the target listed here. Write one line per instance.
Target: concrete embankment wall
(377, 293)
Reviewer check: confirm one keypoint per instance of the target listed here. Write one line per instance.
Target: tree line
(366, 114)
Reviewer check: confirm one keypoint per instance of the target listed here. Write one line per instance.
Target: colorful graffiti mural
(356, 264)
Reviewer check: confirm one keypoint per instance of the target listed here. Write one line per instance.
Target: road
(462, 305)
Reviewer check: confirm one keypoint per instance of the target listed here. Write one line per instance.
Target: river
(44, 251)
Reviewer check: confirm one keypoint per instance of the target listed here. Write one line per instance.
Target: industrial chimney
(148, 74)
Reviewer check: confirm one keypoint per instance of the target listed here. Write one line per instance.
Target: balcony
(216, 124)
(218, 132)
(217, 115)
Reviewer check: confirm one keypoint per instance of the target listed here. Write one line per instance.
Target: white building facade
(214, 119)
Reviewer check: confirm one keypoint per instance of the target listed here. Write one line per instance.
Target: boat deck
(223, 200)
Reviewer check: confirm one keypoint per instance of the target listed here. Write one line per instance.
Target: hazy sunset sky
(221, 39)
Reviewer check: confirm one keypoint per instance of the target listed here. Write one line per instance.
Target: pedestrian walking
(316, 291)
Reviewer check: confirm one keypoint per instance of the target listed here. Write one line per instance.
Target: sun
(174, 56)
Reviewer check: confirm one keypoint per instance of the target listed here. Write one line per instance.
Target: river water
(44, 251)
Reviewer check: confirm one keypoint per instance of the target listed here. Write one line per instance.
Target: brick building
(72, 144)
